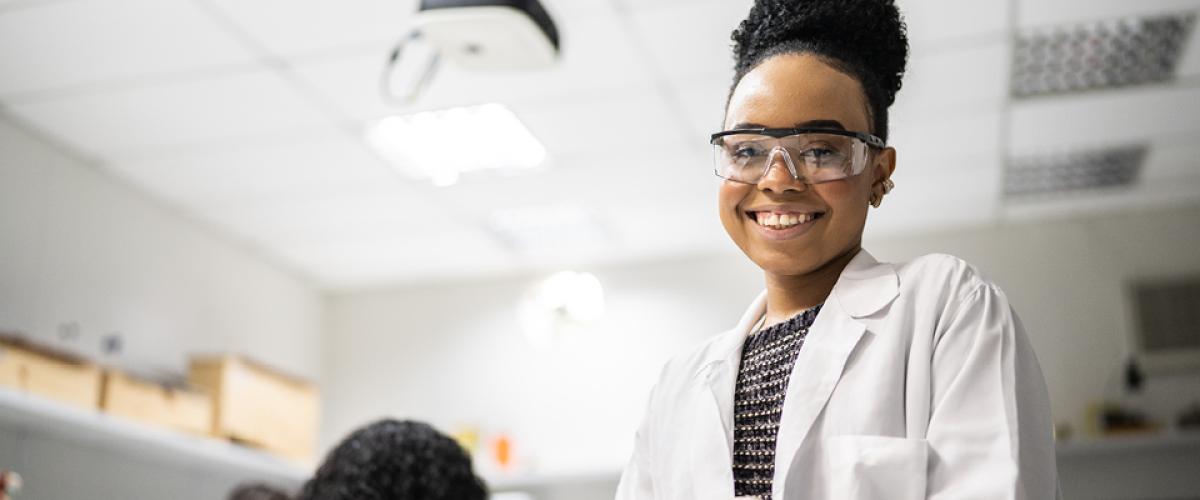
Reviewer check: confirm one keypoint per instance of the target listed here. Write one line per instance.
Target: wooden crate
(181, 409)
(259, 406)
(47, 373)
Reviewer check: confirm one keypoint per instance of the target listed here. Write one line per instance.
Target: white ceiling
(248, 114)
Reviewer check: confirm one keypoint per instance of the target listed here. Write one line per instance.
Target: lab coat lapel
(711, 442)
(864, 288)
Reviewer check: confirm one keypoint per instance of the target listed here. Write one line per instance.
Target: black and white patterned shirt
(767, 360)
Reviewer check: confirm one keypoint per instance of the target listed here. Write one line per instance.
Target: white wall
(77, 246)
(454, 354)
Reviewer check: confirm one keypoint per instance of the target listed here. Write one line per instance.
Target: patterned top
(767, 360)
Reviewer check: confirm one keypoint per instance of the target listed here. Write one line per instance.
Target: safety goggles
(813, 154)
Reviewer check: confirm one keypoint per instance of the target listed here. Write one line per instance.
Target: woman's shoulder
(943, 273)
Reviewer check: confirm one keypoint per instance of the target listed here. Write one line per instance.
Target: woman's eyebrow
(831, 124)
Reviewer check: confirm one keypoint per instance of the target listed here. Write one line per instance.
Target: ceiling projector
(482, 35)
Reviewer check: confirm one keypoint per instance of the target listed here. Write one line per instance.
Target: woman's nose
(781, 174)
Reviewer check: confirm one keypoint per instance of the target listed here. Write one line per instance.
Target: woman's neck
(787, 295)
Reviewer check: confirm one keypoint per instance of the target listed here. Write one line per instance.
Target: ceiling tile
(287, 27)
(349, 215)
(178, 115)
(312, 168)
(942, 22)
(624, 120)
(938, 143)
(1041, 13)
(1116, 117)
(591, 181)
(71, 44)
(1172, 162)
(952, 79)
(1147, 195)
(692, 39)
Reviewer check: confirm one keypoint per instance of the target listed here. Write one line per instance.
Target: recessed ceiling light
(1099, 55)
(1053, 174)
(442, 146)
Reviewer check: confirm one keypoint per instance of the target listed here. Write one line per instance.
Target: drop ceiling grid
(208, 113)
(346, 233)
(1164, 114)
(319, 165)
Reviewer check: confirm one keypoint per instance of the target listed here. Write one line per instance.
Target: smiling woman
(847, 378)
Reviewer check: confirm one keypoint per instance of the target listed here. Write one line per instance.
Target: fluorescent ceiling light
(440, 146)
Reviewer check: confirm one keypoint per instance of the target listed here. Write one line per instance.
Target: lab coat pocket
(876, 467)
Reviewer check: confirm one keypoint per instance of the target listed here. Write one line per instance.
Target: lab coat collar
(864, 287)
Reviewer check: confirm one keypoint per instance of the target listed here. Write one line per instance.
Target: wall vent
(1167, 323)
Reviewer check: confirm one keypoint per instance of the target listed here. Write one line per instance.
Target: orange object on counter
(502, 447)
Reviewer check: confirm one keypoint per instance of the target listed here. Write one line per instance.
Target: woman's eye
(824, 157)
(746, 152)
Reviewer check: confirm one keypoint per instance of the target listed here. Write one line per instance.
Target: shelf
(42, 417)
(1149, 443)
(528, 482)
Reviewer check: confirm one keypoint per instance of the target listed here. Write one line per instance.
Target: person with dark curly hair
(395, 460)
(847, 378)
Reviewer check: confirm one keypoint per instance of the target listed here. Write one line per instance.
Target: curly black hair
(865, 39)
(396, 460)
(258, 491)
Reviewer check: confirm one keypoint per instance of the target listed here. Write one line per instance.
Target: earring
(877, 197)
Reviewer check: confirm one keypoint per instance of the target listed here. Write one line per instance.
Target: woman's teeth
(782, 221)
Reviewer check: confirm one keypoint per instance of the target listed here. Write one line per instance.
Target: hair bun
(868, 35)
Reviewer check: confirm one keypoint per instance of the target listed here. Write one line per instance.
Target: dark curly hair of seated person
(865, 39)
(395, 460)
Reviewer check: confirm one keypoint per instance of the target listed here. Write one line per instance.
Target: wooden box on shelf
(38, 370)
(177, 408)
(259, 406)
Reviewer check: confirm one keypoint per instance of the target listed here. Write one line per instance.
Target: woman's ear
(885, 164)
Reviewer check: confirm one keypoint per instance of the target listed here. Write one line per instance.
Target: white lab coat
(916, 381)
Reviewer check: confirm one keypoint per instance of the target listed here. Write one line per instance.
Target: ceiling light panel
(1099, 55)
(290, 28)
(441, 146)
(1055, 174)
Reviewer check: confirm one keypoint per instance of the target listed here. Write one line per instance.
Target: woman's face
(798, 90)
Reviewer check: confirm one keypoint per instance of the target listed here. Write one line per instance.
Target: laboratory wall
(83, 258)
(456, 354)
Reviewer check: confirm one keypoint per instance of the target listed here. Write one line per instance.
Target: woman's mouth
(783, 225)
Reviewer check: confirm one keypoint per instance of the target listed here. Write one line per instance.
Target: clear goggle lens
(814, 157)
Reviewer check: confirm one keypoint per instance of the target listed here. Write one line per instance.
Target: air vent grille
(1099, 55)
(1050, 174)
